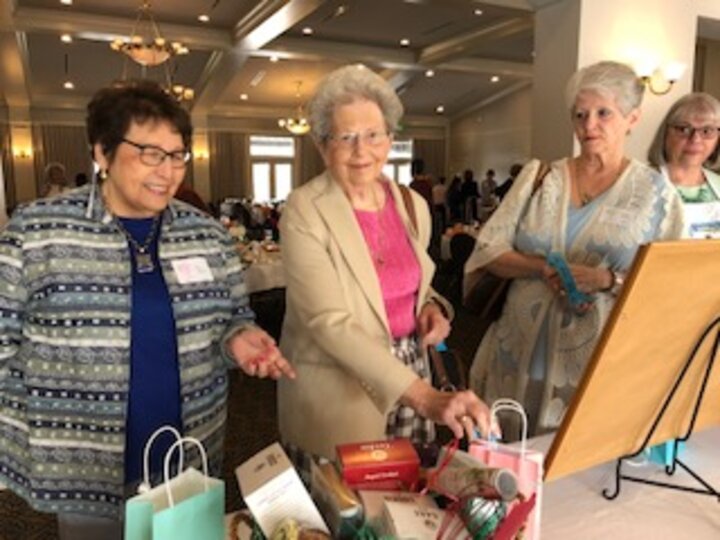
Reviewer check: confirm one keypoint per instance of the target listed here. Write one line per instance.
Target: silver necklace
(143, 258)
(378, 252)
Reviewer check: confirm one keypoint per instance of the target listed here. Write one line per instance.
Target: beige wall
(493, 137)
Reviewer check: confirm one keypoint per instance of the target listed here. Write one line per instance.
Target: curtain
(228, 165)
(65, 144)
(311, 163)
(7, 166)
(432, 152)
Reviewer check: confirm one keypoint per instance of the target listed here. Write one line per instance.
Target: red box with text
(390, 463)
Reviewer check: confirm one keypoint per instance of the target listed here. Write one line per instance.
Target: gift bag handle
(166, 467)
(506, 404)
(145, 485)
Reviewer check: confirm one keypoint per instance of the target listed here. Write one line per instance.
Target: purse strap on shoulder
(409, 206)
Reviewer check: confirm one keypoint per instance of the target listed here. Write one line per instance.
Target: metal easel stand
(707, 489)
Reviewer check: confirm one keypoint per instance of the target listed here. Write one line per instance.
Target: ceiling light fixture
(430, 73)
(257, 78)
(307, 31)
(244, 97)
(298, 124)
(478, 12)
(440, 109)
(404, 42)
(66, 38)
(204, 18)
(274, 58)
(153, 51)
(66, 2)
(68, 84)
(494, 79)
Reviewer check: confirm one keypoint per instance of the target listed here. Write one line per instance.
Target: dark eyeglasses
(154, 156)
(686, 131)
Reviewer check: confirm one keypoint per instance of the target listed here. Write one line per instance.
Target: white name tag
(192, 270)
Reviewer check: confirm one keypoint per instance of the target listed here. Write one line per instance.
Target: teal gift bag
(190, 506)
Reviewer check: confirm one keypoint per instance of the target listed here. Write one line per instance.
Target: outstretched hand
(257, 354)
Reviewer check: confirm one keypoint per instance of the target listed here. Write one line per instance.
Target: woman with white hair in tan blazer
(360, 309)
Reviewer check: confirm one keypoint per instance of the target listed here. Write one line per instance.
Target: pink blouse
(395, 262)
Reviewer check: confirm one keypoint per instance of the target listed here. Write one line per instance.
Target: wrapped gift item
(340, 507)
(461, 474)
(379, 464)
(404, 521)
(273, 491)
(373, 502)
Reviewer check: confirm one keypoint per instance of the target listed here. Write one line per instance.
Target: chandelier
(298, 124)
(153, 51)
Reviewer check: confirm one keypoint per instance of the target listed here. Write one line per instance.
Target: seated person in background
(360, 309)
(54, 180)
(685, 149)
(596, 209)
(187, 194)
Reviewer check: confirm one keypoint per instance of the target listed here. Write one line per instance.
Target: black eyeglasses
(686, 131)
(154, 156)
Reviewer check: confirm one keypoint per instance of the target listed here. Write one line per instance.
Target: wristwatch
(618, 280)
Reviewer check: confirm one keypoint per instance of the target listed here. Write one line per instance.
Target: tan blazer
(336, 332)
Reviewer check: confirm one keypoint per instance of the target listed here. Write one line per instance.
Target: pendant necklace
(378, 252)
(143, 258)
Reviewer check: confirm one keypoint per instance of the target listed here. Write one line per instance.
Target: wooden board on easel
(671, 295)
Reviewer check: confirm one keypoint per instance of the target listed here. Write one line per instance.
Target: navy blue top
(154, 394)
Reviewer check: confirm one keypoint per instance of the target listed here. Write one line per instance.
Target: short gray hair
(607, 78)
(697, 103)
(348, 84)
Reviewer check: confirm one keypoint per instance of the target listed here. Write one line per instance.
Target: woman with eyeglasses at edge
(686, 148)
(595, 209)
(360, 309)
(122, 310)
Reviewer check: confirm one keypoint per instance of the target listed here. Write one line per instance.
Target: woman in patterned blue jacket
(120, 311)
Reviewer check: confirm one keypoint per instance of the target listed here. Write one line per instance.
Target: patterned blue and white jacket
(65, 281)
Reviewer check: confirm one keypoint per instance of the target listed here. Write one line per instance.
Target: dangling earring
(103, 174)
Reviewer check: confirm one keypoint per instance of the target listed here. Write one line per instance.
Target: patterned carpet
(252, 415)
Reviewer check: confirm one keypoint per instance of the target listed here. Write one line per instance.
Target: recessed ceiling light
(66, 38)
(494, 79)
(429, 73)
(244, 97)
(68, 85)
(204, 18)
(404, 42)
(478, 12)
(440, 109)
(307, 31)
(274, 58)
(66, 2)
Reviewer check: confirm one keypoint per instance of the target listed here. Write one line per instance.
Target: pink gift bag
(526, 464)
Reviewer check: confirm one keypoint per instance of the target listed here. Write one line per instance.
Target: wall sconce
(659, 79)
(201, 155)
(22, 153)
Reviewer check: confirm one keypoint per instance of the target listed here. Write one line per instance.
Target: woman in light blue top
(594, 209)
(686, 147)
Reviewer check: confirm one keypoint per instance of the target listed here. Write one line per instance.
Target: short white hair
(346, 85)
(607, 78)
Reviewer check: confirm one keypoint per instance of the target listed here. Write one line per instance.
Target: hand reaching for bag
(461, 411)
(432, 325)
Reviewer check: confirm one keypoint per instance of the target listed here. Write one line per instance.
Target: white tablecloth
(263, 276)
(574, 508)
